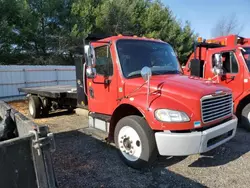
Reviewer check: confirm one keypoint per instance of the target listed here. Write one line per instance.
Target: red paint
(173, 91)
(231, 42)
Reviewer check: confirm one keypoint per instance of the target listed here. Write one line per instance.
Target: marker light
(199, 39)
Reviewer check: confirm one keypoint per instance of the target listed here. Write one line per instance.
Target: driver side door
(102, 93)
(232, 76)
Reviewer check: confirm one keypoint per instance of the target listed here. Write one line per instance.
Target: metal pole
(24, 77)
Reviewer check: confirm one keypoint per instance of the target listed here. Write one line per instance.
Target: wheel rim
(31, 110)
(129, 143)
(248, 116)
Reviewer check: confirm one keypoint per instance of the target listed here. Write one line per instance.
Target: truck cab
(231, 71)
(137, 94)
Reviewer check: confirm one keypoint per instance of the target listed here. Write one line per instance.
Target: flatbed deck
(58, 91)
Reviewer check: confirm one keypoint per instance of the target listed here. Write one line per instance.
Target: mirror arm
(148, 92)
(84, 74)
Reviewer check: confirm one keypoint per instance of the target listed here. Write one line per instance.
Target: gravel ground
(60, 121)
(83, 161)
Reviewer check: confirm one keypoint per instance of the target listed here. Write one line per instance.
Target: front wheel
(245, 117)
(135, 141)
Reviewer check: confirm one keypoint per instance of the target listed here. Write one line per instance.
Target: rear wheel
(135, 141)
(45, 112)
(35, 106)
(46, 106)
(245, 117)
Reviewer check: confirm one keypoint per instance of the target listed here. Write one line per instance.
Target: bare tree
(227, 25)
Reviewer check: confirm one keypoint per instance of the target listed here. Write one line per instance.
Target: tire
(46, 106)
(35, 106)
(245, 117)
(45, 112)
(142, 151)
(70, 109)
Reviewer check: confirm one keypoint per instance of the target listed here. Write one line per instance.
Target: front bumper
(183, 144)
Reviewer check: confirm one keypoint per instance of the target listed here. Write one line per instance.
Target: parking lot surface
(83, 161)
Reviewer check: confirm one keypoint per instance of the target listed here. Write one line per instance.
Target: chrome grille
(216, 107)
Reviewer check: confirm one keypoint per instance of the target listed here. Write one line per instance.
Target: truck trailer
(140, 100)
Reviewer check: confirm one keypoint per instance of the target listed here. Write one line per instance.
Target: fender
(138, 101)
(241, 101)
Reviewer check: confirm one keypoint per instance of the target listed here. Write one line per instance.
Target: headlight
(171, 116)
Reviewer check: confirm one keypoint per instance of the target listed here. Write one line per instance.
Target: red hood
(183, 91)
(178, 85)
(176, 92)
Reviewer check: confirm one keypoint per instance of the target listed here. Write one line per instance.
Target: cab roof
(118, 37)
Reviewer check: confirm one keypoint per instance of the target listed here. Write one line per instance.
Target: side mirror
(217, 69)
(146, 73)
(90, 60)
(195, 67)
(91, 72)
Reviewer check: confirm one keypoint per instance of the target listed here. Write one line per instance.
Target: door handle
(232, 77)
(107, 81)
(225, 77)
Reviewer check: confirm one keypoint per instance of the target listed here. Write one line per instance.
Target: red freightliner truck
(138, 97)
(232, 70)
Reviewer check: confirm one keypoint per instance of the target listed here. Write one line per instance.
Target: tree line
(42, 31)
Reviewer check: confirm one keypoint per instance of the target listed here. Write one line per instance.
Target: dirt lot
(61, 121)
(82, 161)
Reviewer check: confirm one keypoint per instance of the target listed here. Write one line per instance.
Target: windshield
(246, 55)
(135, 54)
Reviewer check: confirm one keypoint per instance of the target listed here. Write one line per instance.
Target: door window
(104, 64)
(229, 62)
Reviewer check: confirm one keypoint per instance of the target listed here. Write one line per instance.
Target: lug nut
(121, 146)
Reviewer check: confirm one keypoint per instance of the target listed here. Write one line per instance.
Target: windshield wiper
(134, 75)
(157, 73)
(167, 72)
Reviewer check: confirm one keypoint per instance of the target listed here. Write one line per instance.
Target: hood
(179, 86)
(177, 92)
(180, 89)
